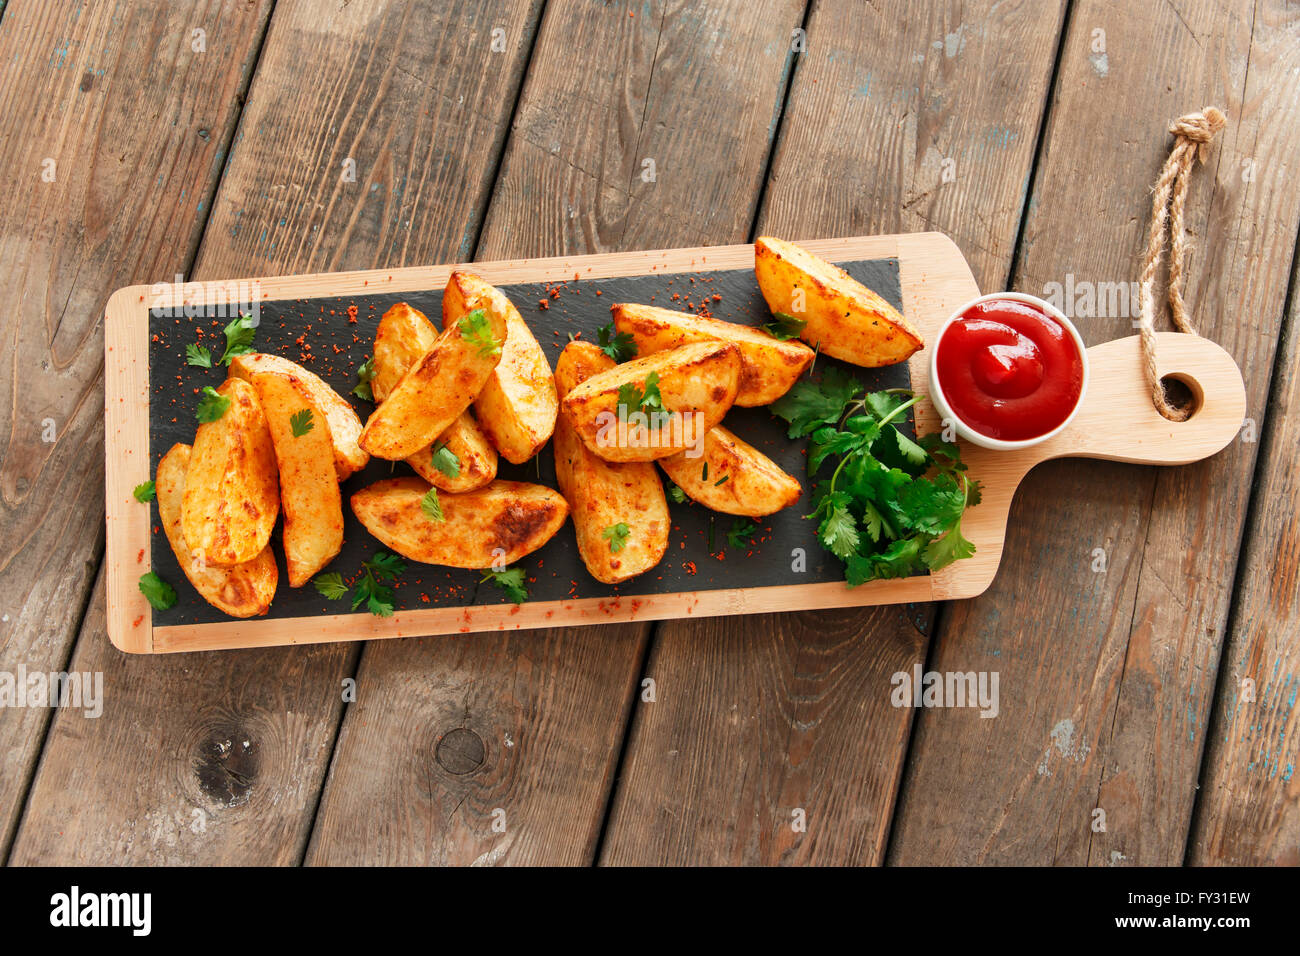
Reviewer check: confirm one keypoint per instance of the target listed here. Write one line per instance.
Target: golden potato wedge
(403, 336)
(309, 489)
(732, 476)
(845, 319)
(768, 366)
(500, 522)
(476, 459)
(244, 590)
(232, 494)
(345, 426)
(603, 494)
(518, 405)
(697, 385)
(438, 387)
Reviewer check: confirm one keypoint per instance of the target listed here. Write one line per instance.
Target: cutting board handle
(1118, 422)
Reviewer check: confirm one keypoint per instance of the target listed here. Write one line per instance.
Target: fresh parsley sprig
(198, 356)
(239, 337)
(212, 405)
(477, 331)
(892, 506)
(510, 580)
(620, 346)
(445, 460)
(784, 326)
(372, 589)
(144, 492)
(616, 535)
(634, 398)
(301, 422)
(365, 375)
(157, 592)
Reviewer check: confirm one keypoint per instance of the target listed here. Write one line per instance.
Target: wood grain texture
(114, 130)
(287, 702)
(883, 94)
(1106, 689)
(608, 84)
(1248, 813)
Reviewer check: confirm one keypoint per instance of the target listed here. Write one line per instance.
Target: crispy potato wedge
(437, 388)
(244, 590)
(603, 494)
(309, 489)
(755, 485)
(232, 494)
(476, 459)
(345, 426)
(518, 405)
(845, 319)
(697, 385)
(404, 335)
(500, 522)
(768, 366)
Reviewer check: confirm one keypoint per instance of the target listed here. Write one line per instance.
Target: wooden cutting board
(928, 277)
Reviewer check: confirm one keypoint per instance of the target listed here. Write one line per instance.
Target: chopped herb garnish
(371, 590)
(631, 398)
(616, 535)
(620, 346)
(300, 422)
(741, 533)
(239, 337)
(365, 375)
(198, 356)
(511, 581)
(157, 592)
(784, 326)
(144, 492)
(431, 506)
(212, 405)
(477, 331)
(330, 585)
(445, 460)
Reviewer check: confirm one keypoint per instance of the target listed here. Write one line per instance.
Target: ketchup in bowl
(1008, 369)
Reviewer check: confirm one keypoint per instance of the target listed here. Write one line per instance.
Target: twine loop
(1192, 136)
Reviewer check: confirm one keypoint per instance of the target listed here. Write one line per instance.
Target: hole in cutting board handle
(1184, 392)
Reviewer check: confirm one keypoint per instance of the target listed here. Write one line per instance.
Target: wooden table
(1144, 621)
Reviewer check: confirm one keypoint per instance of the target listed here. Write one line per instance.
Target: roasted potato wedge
(232, 493)
(309, 489)
(438, 387)
(345, 426)
(754, 484)
(845, 319)
(697, 385)
(603, 494)
(244, 590)
(403, 337)
(768, 366)
(498, 523)
(476, 459)
(518, 405)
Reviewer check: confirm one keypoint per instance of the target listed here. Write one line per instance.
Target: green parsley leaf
(431, 506)
(511, 581)
(616, 535)
(784, 326)
(157, 592)
(632, 398)
(371, 590)
(741, 533)
(198, 356)
(839, 532)
(445, 460)
(239, 337)
(477, 331)
(212, 405)
(330, 585)
(941, 552)
(620, 346)
(809, 406)
(676, 494)
(385, 566)
(365, 375)
(300, 422)
(144, 492)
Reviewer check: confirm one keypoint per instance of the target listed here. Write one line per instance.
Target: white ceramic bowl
(966, 431)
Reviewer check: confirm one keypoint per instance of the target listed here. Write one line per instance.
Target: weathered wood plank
(414, 94)
(610, 85)
(1247, 811)
(797, 706)
(114, 130)
(1107, 682)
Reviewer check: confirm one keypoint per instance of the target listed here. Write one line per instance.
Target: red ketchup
(1009, 370)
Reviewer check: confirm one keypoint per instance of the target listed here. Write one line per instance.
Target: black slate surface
(321, 334)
